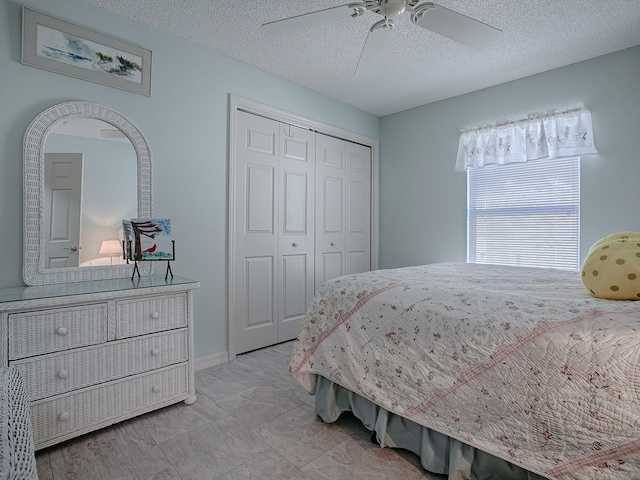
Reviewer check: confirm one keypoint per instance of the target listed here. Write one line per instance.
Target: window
(525, 214)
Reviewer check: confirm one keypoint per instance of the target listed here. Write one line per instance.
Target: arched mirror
(86, 168)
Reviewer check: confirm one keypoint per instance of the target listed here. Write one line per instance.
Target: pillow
(612, 267)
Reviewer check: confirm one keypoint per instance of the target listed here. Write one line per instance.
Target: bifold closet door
(343, 208)
(274, 238)
(296, 232)
(358, 209)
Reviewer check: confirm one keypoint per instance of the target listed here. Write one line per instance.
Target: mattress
(520, 363)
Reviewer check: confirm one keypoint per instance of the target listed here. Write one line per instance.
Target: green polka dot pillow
(612, 267)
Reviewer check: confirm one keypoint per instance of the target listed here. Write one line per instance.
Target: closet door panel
(260, 138)
(296, 189)
(295, 286)
(330, 153)
(296, 235)
(294, 270)
(358, 262)
(297, 148)
(331, 266)
(259, 287)
(330, 208)
(260, 216)
(256, 232)
(358, 208)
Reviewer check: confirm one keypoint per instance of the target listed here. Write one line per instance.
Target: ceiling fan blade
(460, 28)
(373, 51)
(301, 22)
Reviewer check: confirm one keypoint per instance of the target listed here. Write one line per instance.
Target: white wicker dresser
(17, 458)
(96, 353)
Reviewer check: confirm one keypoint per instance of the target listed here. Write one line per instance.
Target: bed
(484, 371)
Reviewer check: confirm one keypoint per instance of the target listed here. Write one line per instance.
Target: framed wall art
(59, 46)
(149, 239)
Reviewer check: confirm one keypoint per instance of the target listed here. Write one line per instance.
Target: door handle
(74, 248)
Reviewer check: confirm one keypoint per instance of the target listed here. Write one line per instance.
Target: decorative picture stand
(129, 258)
(147, 240)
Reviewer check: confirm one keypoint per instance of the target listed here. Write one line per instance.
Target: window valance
(550, 134)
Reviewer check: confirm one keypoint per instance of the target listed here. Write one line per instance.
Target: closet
(300, 203)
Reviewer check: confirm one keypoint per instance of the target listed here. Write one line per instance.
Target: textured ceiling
(420, 66)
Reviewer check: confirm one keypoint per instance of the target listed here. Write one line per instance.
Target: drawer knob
(155, 388)
(64, 416)
(62, 331)
(62, 374)
(155, 352)
(155, 315)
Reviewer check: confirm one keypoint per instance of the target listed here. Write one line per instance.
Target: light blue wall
(185, 122)
(422, 199)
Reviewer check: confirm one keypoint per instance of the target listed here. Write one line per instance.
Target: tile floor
(251, 421)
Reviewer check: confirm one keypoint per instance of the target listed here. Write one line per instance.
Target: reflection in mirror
(90, 186)
(111, 182)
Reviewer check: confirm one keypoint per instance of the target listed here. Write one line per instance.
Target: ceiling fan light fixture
(393, 8)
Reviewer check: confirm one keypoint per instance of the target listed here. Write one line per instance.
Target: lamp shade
(110, 247)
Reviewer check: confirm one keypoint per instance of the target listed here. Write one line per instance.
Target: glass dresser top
(16, 294)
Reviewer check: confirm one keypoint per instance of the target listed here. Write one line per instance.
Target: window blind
(525, 214)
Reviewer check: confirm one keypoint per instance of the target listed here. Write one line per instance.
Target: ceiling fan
(450, 24)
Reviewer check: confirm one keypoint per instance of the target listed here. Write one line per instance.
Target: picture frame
(148, 239)
(59, 46)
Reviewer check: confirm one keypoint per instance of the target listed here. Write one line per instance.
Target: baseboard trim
(210, 360)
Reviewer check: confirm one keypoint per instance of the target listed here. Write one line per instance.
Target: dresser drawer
(88, 409)
(44, 331)
(55, 373)
(151, 314)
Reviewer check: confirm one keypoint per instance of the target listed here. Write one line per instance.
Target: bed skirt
(438, 453)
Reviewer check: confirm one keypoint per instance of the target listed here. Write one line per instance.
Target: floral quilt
(519, 362)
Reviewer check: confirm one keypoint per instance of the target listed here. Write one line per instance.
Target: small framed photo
(59, 46)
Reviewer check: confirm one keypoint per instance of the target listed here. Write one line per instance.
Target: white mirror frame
(34, 271)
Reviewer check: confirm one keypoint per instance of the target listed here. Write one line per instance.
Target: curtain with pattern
(552, 134)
